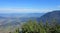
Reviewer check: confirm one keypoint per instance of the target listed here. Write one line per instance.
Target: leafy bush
(36, 27)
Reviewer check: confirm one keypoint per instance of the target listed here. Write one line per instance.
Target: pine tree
(47, 26)
(42, 28)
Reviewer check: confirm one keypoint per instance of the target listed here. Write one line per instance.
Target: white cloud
(20, 10)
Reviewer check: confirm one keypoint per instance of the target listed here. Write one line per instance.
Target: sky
(29, 6)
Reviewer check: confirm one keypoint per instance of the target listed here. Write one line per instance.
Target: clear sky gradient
(28, 6)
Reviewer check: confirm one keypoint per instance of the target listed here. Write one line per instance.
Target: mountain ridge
(50, 16)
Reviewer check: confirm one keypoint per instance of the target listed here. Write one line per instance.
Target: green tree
(41, 27)
(47, 26)
(16, 30)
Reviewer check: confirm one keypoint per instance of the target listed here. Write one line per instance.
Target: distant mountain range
(50, 16)
(15, 19)
(12, 15)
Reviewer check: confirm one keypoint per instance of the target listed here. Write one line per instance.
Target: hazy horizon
(29, 6)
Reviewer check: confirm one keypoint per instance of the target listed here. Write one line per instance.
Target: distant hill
(50, 16)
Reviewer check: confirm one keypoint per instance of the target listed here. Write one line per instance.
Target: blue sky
(28, 6)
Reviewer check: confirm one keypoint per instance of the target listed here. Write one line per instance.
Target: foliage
(36, 27)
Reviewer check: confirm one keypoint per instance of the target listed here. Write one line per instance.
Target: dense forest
(38, 27)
